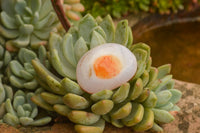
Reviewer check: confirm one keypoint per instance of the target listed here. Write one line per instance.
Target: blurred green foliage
(118, 8)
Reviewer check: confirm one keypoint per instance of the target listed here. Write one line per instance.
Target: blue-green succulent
(20, 71)
(21, 110)
(26, 22)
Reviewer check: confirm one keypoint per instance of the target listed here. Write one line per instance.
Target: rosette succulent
(65, 52)
(26, 22)
(72, 9)
(23, 111)
(20, 71)
(142, 103)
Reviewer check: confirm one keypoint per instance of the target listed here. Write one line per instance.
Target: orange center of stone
(107, 66)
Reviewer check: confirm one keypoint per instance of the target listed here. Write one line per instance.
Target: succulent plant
(6, 92)
(165, 7)
(21, 73)
(72, 8)
(118, 8)
(26, 22)
(23, 111)
(138, 104)
(65, 52)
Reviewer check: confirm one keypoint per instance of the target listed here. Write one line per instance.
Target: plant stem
(58, 7)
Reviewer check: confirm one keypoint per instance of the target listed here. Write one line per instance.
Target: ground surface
(187, 120)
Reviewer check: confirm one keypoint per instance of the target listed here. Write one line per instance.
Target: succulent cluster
(143, 103)
(20, 71)
(23, 111)
(118, 8)
(65, 52)
(26, 22)
(72, 9)
(17, 108)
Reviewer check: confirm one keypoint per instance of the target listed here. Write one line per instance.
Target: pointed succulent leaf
(19, 83)
(104, 94)
(60, 64)
(164, 81)
(62, 109)
(145, 78)
(153, 74)
(25, 121)
(163, 70)
(68, 49)
(147, 121)
(37, 99)
(140, 54)
(98, 127)
(162, 116)
(16, 67)
(130, 38)
(9, 107)
(167, 106)
(135, 116)
(19, 100)
(163, 97)
(176, 96)
(71, 86)
(108, 26)
(144, 95)
(99, 30)
(86, 25)
(51, 98)
(31, 85)
(83, 117)
(102, 107)
(143, 46)
(136, 90)
(41, 122)
(11, 119)
(140, 69)
(121, 94)
(157, 128)
(80, 48)
(2, 93)
(8, 21)
(122, 33)
(26, 55)
(148, 64)
(75, 101)
(8, 91)
(117, 123)
(151, 101)
(2, 110)
(96, 39)
(122, 112)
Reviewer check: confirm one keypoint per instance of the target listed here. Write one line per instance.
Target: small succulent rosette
(89, 94)
(23, 111)
(72, 9)
(26, 22)
(20, 71)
